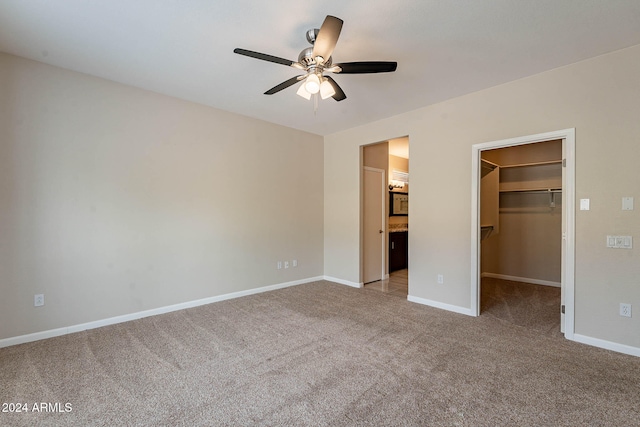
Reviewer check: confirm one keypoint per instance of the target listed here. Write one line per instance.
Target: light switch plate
(584, 204)
(620, 242)
(627, 203)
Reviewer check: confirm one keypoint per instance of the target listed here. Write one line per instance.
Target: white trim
(440, 305)
(141, 314)
(608, 345)
(522, 279)
(475, 230)
(523, 140)
(343, 282)
(569, 228)
(568, 214)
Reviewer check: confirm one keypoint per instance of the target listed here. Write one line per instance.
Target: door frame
(568, 219)
(383, 190)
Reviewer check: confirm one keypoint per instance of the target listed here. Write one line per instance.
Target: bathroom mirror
(398, 204)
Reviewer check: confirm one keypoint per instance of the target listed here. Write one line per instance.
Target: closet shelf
(485, 231)
(486, 164)
(550, 191)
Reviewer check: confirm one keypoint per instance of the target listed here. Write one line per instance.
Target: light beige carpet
(523, 304)
(319, 354)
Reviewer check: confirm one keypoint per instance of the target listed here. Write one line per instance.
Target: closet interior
(521, 214)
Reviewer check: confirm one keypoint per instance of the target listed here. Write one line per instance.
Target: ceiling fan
(316, 60)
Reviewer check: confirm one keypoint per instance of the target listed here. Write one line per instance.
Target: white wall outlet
(279, 265)
(440, 279)
(294, 262)
(625, 310)
(286, 264)
(38, 300)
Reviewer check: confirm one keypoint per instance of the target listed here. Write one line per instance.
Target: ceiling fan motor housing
(307, 59)
(312, 34)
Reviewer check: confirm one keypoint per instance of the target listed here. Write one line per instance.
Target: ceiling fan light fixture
(326, 89)
(312, 84)
(303, 92)
(317, 60)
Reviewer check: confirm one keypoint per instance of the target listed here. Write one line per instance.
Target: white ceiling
(444, 48)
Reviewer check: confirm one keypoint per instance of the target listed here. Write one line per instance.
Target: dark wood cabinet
(398, 250)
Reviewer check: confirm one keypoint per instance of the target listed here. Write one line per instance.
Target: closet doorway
(523, 229)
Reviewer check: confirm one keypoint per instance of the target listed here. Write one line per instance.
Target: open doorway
(521, 235)
(391, 159)
(523, 221)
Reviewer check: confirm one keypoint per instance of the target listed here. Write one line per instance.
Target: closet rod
(520, 165)
(538, 190)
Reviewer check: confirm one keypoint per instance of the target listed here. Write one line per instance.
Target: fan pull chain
(315, 103)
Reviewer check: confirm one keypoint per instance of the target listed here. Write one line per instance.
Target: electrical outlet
(38, 300)
(440, 279)
(294, 262)
(279, 265)
(286, 264)
(625, 310)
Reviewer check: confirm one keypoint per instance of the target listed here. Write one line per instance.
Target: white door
(374, 224)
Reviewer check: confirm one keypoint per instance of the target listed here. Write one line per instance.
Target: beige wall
(377, 156)
(598, 97)
(398, 163)
(115, 200)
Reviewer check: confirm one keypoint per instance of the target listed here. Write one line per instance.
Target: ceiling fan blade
(339, 95)
(327, 37)
(367, 67)
(264, 57)
(284, 85)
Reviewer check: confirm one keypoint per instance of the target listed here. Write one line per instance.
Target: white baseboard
(441, 305)
(344, 282)
(522, 279)
(596, 342)
(141, 314)
(608, 345)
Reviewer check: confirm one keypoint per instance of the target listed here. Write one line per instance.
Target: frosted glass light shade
(312, 85)
(326, 89)
(303, 92)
